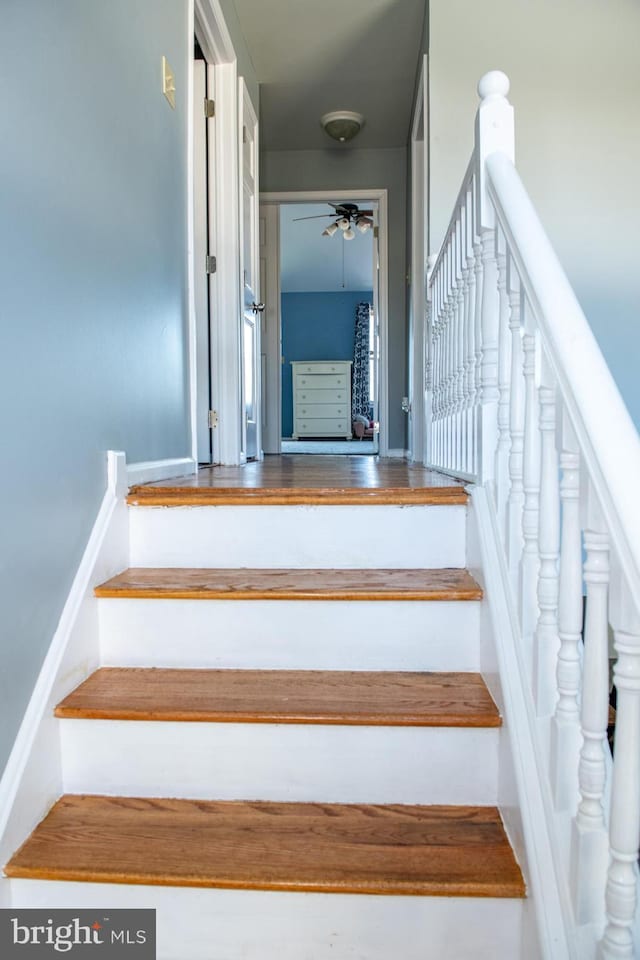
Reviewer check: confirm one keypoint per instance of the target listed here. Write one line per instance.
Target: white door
(253, 310)
(204, 277)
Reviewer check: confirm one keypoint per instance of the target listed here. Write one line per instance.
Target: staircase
(288, 750)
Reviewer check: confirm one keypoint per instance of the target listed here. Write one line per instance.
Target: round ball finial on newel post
(495, 83)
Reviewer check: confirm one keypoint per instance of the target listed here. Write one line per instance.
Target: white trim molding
(32, 780)
(148, 471)
(213, 32)
(226, 307)
(417, 304)
(396, 453)
(380, 196)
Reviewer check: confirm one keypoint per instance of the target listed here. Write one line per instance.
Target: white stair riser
(195, 924)
(296, 634)
(298, 536)
(310, 762)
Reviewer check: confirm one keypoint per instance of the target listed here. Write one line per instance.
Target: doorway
(325, 294)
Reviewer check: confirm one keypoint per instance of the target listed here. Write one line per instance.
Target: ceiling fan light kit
(348, 216)
(342, 125)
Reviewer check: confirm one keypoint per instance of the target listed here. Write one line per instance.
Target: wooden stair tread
(317, 847)
(284, 696)
(285, 584)
(169, 496)
(305, 480)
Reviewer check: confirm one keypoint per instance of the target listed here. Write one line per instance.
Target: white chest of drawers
(321, 398)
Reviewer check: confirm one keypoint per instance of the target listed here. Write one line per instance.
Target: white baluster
(504, 365)
(448, 380)
(514, 537)
(589, 854)
(440, 345)
(441, 365)
(428, 375)
(453, 338)
(624, 828)
(477, 365)
(462, 333)
(470, 335)
(566, 738)
(546, 640)
(458, 392)
(489, 370)
(531, 481)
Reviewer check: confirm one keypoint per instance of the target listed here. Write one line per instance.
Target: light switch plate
(168, 83)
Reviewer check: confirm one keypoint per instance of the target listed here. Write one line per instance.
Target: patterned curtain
(360, 387)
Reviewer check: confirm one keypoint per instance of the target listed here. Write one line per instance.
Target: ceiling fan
(347, 216)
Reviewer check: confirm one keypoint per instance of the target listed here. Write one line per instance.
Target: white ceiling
(314, 56)
(310, 262)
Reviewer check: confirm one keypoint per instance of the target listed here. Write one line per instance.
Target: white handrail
(606, 434)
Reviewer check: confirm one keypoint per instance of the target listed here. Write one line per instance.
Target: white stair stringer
(360, 536)
(291, 634)
(212, 924)
(271, 761)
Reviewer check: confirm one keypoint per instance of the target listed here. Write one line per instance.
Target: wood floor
(318, 847)
(180, 583)
(284, 696)
(305, 480)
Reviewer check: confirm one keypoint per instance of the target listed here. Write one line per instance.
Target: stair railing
(521, 401)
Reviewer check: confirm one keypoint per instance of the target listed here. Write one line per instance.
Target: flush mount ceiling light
(342, 125)
(347, 216)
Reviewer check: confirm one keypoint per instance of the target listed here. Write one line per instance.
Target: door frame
(419, 253)
(248, 121)
(273, 363)
(206, 21)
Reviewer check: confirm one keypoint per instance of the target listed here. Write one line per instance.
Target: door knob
(257, 307)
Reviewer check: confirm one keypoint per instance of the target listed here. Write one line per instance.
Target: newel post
(494, 132)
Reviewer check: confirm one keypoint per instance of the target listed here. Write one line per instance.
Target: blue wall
(93, 280)
(316, 326)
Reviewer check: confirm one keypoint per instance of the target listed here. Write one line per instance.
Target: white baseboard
(147, 471)
(396, 453)
(33, 776)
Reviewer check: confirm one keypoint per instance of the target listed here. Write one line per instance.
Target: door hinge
(245, 135)
(213, 419)
(211, 264)
(376, 232)
(209, 108)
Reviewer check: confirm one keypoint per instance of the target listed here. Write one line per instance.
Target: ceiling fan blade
(317, 216)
